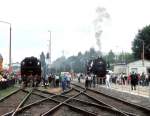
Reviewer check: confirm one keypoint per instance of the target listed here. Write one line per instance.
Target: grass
(7, 91)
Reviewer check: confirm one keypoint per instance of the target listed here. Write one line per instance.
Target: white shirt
(56, 77)
(89, 78)
(107, 77)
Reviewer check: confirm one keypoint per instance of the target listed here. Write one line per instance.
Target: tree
(128, 57)
(143, 37)
(111, 57)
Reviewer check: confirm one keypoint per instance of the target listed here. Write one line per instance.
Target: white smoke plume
(102, 16)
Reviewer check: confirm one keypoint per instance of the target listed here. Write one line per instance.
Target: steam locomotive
(97, 67)
(31, 71)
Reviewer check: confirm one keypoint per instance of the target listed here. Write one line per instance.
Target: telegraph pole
(142, 51)
(9, 42)
(10, 48)
(50, 48)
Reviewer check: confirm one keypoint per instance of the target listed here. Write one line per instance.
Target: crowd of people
(6, 80)
(132, 79)
(63, 80)
(90, 79)
(4, 76)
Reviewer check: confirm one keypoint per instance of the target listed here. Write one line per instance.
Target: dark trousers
(86, 83)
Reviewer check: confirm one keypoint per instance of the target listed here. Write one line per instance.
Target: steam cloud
(102, 16)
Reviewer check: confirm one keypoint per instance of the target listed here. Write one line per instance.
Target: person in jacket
(134, 80)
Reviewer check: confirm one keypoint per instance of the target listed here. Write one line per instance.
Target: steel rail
(29, 92)
(117, 99)
(33, 104)
(10, 94)
(86, 113)
(135, 106)
(22, 102)
(101, 102)
(56, 107)
(108, 95)
(99, 105)
(30, 105)
(60, 103)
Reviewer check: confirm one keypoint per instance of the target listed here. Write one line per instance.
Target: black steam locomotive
(31, 71)
(97, 67)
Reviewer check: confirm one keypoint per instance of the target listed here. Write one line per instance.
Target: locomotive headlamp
(100, 62)
(38, 63)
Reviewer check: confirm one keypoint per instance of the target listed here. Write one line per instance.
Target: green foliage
(111, 57)
(137, 45)
(124, 57)
(128, 57)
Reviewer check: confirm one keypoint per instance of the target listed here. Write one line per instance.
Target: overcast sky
(71, 24)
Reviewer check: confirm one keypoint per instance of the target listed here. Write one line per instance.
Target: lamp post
(9, 42)
(142, 50)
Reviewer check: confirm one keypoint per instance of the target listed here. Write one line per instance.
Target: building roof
(120, 64)
(140, 63)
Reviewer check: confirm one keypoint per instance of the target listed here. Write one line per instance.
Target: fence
(140, 90)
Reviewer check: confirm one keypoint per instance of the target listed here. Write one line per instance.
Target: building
(139, 67)
(120, 68)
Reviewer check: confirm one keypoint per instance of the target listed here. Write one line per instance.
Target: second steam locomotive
(97, 67)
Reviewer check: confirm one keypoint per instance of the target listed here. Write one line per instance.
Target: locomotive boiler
(97, 67)
(31, 71)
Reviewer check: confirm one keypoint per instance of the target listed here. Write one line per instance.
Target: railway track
(11, 102)
(116, 103)
(32, 101)
(36, 102)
